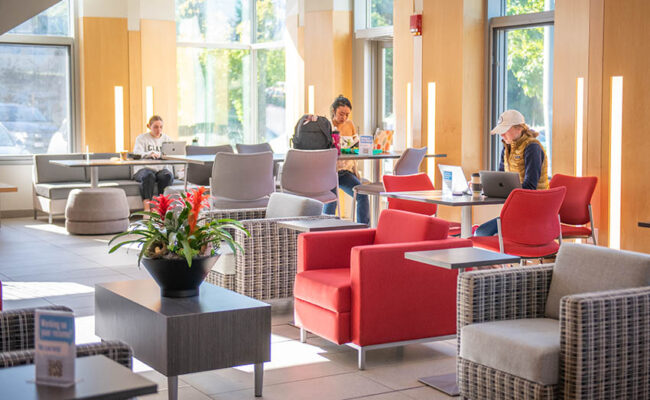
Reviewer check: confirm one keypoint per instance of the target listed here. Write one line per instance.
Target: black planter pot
(175, 278)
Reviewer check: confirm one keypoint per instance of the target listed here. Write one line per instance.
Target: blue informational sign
(55, 348)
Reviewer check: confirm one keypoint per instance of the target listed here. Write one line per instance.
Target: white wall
(20, 176)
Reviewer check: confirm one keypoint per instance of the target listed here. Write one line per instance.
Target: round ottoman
(96, 211)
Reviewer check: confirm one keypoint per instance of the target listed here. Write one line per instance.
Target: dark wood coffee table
(217, 329)
(97, 377)
(460, 259)
(318, 225)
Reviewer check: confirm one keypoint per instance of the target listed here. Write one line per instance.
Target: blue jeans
(348, 180)
(489, 228)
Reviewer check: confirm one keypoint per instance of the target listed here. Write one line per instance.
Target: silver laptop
(499, 183)
(176, 148)
(453, 179)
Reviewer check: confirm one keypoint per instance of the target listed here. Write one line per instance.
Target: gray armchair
(266, 269)
(17, 340)
(578, 329)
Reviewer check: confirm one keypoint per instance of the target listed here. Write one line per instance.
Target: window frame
(250, 135)
(497, 29)
(73, 81)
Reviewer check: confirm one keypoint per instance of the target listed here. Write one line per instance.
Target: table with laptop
(496, 186)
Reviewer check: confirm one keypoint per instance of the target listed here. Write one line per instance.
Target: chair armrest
(330, 249)
(117, 351)
(604, 344)
(501, 294)
(395, 299)
(237, 213)
(17, 328)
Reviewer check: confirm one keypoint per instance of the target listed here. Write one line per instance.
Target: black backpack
(313, 135)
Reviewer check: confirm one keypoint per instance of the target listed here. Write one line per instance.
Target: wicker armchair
(603, 348)
(266, 269)
(17, 340)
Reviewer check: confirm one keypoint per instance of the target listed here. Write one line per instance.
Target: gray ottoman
(96, 211)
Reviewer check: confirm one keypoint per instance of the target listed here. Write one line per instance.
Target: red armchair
(355, 287)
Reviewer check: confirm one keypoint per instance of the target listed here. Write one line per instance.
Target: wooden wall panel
(319, 68)
(105, 61)
(136, 95)
(626, 52)
(158, 47)
(402, 67)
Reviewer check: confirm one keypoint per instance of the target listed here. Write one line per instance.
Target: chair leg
(49, 218)
(303, 335)
(362, 358)
(35, 214)
(354, 205)
(591, 223)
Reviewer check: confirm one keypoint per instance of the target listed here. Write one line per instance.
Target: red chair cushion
(579, 190)
(326, 288)
(331, 325)
(406, 183)
(396, 226)
(454, 228)
(513, 248)
(570, 230)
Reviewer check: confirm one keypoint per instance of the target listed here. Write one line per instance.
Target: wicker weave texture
(605, 345)
(17, 328)
(17, 340)
(479, 382)
(266, 269)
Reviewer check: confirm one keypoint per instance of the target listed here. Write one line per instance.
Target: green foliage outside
(525, 64)
(381, 13)
(232, 65)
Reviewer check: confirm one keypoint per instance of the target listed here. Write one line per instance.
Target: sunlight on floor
(32, 290)
(49, 228)
(293, 354)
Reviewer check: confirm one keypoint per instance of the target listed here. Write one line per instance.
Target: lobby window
(231, 72)
(35, 84)
(521, 72)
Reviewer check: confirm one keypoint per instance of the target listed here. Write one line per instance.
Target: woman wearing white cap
(522, 153)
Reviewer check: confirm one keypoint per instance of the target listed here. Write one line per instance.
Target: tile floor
(41, 264)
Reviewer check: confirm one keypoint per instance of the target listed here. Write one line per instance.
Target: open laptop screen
(453, 179)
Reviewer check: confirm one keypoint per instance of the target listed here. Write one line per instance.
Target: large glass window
(231, 71)
(381, 13)
(522, 72)
(387, 115)
(35, 85)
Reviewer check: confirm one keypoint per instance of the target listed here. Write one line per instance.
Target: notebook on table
(498, 183)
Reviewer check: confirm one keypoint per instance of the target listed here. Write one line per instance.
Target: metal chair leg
(303, 335)
(354, 204)
(362, 358)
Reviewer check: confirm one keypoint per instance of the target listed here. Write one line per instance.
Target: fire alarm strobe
(416, 24)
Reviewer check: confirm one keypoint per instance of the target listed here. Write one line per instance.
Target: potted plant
(177, 246)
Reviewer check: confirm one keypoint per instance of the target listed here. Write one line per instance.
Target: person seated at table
(522, 153)
(148, 145)
(347, 169)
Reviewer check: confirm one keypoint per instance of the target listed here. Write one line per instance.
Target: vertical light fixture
(615, 146)
(409, 115)
(310, 99)
(580, 108)
(119, 118)
(148, 94)
(431, 128)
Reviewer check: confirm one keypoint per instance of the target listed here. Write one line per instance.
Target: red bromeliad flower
(161, 204)
(197, 201)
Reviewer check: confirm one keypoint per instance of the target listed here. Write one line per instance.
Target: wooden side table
(216, 329)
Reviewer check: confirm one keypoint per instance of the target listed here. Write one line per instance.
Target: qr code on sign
(54, 368)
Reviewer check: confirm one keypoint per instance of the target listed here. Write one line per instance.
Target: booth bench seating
(52, 183)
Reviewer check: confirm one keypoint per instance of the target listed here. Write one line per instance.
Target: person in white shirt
(148, 145)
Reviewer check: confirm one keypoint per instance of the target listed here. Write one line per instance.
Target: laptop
(176, 148)
(498, 183)
(453, 180)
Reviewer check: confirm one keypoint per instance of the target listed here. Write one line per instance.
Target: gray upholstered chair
(311, 173)
(266, 268)
(195, 174)
(407, 164)
(17, 340)
(578, 329)
(253, 148)
(242, 180)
